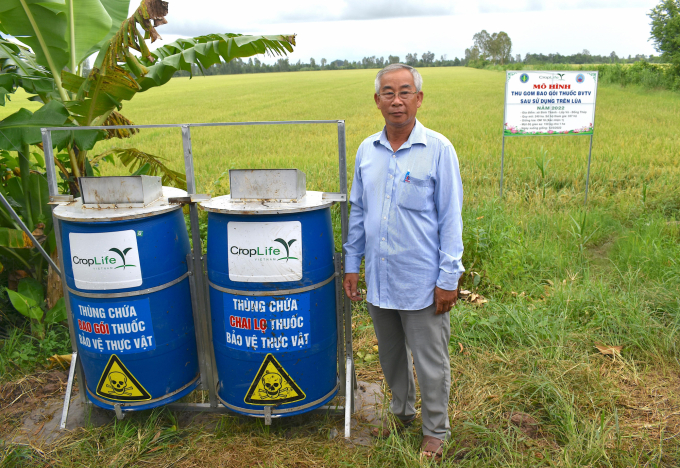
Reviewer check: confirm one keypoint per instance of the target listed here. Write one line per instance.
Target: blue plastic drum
(126, 272)
(272, 299)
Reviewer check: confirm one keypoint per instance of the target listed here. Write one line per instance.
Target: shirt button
(384, 217)
(383, 238)
(388, 196)
(383, 259)
(394, 155)
(391, 177)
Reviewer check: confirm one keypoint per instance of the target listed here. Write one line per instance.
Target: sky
(353, 29)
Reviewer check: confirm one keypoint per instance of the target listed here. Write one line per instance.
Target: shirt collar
(417, 136)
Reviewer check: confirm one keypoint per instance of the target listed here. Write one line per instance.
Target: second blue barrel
(272, 298)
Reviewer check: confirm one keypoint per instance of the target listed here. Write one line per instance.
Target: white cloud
(352, 29)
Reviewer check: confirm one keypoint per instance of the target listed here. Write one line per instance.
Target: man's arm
(356, 237)
(448, 198)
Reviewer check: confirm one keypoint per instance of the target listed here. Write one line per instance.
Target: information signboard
(549, 103)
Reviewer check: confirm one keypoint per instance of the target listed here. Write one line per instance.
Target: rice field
(550, 281)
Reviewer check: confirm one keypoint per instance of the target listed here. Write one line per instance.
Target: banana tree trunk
(54, 288)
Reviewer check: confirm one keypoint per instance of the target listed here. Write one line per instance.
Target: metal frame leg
(590, 153)
(69, 386)
(502, 163)
(340, 322)
(54, 191)
(350, 376)
(206, 357)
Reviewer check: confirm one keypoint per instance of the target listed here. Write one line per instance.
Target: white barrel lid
(75, 211)
(224, 204)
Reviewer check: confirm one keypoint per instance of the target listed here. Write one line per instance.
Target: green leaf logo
(286, 245)
(122, 256)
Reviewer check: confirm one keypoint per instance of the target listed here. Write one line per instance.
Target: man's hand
(350, 285)
(444, 300)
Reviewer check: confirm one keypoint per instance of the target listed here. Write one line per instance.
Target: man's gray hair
(417, 79)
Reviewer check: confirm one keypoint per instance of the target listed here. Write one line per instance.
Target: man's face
(398, 112)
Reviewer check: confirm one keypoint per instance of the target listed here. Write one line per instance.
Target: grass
(558, 279)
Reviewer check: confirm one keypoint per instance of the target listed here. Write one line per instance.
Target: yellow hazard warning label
(118, 383)
(272, 385)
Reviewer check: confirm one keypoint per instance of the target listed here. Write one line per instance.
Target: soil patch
(19, 397)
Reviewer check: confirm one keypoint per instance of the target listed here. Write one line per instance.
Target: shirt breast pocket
(416, 194)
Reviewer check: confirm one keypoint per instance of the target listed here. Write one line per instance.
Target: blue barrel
(127, 276)
(273, 304)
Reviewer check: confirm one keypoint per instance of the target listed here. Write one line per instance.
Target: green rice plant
(542, 165)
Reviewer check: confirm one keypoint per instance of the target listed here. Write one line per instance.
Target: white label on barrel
(265, 252)
(105, 260)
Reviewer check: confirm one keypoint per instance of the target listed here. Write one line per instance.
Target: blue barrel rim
(75, 211)
(223, 204)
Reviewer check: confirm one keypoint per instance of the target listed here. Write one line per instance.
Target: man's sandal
(432, 448)
(386, 427)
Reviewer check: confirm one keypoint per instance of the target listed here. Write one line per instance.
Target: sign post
(549, 103)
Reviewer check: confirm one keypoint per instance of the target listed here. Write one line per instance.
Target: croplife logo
(556, 76)
(122, 255)
(105, 262)
(266, 253)
(287, 246)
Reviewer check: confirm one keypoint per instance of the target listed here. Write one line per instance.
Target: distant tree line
(427, 59)
(254, 65)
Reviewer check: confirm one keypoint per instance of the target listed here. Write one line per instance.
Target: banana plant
(29, 301)
(61, 34)
(51, 39)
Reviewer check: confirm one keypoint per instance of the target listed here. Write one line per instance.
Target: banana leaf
(91, 23)
(206, 51)
(19, 69)
(135, 160)
(14, 239)
(23, 128)
(49, 18)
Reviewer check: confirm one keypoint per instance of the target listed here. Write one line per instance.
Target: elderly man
(406, 221)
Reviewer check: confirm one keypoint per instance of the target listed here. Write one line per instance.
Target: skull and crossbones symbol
(118, 383)
(273, 387)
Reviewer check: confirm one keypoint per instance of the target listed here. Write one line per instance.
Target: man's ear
(376, 98)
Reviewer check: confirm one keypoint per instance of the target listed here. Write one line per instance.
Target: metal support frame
(198, 279)
(53, 188)
(206, 355)
(69, 386)
(590, 153)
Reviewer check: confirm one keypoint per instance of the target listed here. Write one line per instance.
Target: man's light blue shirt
(406, 219)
